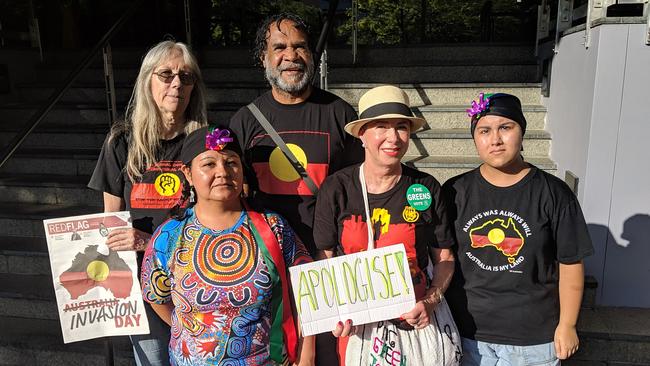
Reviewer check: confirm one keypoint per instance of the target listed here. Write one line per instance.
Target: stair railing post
(188, 25)
(355, 29)
(543, 23)
(109, 81)
(647, 24)
(34, 30)
(590, 6)
(323, 70)
(563, 21)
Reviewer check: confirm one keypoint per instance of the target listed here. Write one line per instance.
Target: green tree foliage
(234, 22)
(388, 22)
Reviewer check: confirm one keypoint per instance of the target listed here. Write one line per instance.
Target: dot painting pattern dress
(220, 286)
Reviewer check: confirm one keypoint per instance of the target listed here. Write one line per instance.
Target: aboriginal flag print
(503, 236)
(160, 188)
(91, 269)
(276, 175)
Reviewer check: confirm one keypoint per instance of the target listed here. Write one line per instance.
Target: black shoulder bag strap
(278, 141)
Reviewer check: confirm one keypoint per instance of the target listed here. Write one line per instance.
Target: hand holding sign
(364, 287)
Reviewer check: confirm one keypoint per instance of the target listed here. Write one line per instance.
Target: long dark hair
(179, 211)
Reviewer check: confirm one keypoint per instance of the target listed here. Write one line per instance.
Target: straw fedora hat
(383, 102)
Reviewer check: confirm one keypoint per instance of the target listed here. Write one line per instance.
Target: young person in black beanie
(520, 241)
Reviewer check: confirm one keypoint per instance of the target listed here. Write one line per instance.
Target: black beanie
(503, 105)
(209, 138)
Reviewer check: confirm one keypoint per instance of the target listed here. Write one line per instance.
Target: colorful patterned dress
(221, 288)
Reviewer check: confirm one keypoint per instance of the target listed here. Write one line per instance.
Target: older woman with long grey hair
(139, 168)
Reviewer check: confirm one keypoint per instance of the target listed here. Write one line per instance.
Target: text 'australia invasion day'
(90, 312)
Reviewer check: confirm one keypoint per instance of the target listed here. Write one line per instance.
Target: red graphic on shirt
(354, 239)
(161, 186)
(268, 183)
(501, 235)
(275, 175)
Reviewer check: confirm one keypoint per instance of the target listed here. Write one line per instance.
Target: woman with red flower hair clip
(217, 270)
(520, 241)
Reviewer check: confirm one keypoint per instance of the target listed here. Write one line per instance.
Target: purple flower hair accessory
(217, 139)
(480, 107)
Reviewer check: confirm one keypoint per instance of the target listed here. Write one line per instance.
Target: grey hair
(143, 121)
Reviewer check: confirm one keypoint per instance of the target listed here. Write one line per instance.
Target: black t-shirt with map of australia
(313, 131)
(509, 243)
(150, 199)
(411, 213)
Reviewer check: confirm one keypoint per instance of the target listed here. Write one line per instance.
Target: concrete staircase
(47, 177)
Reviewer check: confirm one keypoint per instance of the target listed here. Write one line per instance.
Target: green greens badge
(419, 197)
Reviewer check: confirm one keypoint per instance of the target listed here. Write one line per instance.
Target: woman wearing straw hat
(521, 239)
(217, 270)
(397, 204)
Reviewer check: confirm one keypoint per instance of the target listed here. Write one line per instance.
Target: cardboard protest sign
(365, 287)
(97, 290)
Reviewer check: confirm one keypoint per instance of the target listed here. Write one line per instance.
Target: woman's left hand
(418, 317)
(127, 239)
(566, 341)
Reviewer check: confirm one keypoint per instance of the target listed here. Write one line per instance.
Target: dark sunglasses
(166, 76)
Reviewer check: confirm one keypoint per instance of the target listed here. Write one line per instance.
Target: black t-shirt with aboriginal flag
(509, 243)
(412, 213)
(313, 131)
(149, 199)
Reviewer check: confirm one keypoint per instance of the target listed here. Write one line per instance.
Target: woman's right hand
(344, 329)
(127, 239)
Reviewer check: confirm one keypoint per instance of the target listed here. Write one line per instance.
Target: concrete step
(92, 136)
(25, 258)
(53, 136)
(26, 219)
(11, 116)
(24, 262)
(613, 336)
(59, 161)
(96, 93)
(26, 341)
(428, 94)
(32, 287)
(76, 117)
(445, 167)
(47, 189)
(455, 116)
(23, 244)
(459, 142)
(459, 73)
(432, 54)
(242, 92)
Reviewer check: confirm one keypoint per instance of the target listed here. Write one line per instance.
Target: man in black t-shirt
(309, 120)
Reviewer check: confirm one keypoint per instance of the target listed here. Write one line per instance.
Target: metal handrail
(54, 98)
(590, 6)
(327, 27)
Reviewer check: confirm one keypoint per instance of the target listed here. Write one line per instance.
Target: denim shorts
(152, 349)
(477, 353)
